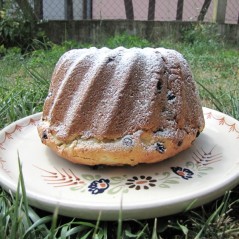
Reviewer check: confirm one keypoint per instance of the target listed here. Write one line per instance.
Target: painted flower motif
(141, 182)
(185, 173)
(99, 186)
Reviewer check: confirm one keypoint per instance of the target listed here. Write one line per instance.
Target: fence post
(204, 10)
(87, 9)
(219, 11)
(179, 15)
(68, 4)
(151, 10)
(129, 9)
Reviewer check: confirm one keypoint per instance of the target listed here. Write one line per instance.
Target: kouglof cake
(121, 106)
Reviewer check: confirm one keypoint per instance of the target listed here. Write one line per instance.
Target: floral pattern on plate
(185, 173)
(141, 182)
(98, 184)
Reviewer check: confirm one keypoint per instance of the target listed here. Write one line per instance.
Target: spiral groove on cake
(138, 104)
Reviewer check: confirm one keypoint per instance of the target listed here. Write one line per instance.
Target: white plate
(196, 176)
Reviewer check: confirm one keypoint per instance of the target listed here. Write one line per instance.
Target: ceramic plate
(194, 177)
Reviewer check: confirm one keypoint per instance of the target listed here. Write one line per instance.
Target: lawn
(24, 82)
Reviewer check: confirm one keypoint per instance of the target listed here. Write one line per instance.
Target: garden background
(34, 34)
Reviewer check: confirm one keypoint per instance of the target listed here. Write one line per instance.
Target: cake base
(140, 147)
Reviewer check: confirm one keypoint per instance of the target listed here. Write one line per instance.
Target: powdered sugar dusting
(74, 58)
(82, 91)
(143, 89)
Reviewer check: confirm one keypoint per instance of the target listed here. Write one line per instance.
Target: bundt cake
(121, 106)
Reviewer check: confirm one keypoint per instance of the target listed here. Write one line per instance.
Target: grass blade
(213, 97)
(23, 189)
(38, 224)
(96, 227)
(120, 220)
(210, 220)
(154, 234)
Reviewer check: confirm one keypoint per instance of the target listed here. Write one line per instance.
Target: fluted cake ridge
(107, 94)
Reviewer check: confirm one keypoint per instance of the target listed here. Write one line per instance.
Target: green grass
(24, 81)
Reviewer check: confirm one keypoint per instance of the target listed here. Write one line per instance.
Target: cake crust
(121, 106)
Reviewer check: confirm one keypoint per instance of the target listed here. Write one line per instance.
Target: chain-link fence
(159, 10)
